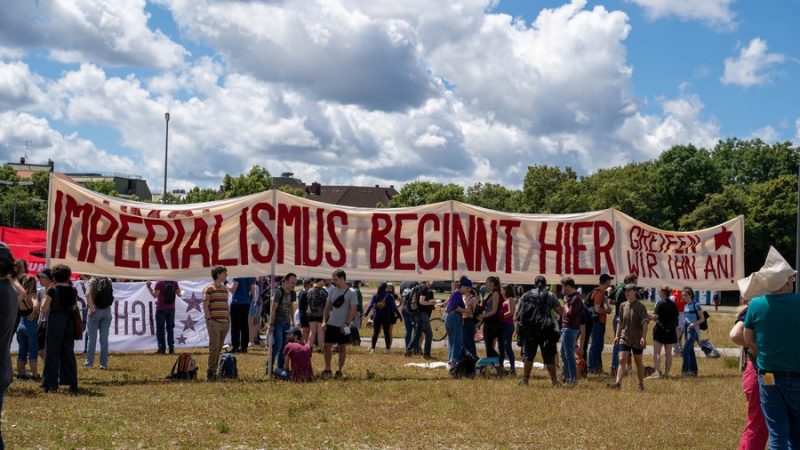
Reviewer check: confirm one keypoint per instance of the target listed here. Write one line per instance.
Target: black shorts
(635, 351)
(303, 322)
(665, 336)
(549, 350)
(334, 335)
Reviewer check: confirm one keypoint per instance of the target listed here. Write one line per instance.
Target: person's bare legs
(342, 355)
(624, 362)
(328, 356)
(639, 368)
(657, 355)
(667, 361)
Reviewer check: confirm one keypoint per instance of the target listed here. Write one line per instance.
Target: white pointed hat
(775, 272)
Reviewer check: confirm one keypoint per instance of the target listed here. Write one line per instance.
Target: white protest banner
(274, 232)
(133, 321)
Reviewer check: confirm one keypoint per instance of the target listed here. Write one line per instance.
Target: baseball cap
(465, 282)
(540, 279)
(5, 252)
(631, 287)
(605, 277)
(295, 331)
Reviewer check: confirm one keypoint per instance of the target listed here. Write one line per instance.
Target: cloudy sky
(386, 91)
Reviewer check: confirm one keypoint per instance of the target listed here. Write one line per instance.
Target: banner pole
(271, 281)
(47, 227)
(452, 236)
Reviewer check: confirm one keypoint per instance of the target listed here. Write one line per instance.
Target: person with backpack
(385, 311)
(536, 328)
(426, 304)
(340, 310)
(631, 335)
(316, 298)
(166, 293)
(599, 307)
(692, 320)
(280, 316)
(664, 335)
(99, 299)
(243, 290)
(409, 306)
(618, 297)
(471, 318)
(302, 308)
(572, 328)
(492, 319)
(215, 310)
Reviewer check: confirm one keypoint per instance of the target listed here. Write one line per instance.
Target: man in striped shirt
(215, 308)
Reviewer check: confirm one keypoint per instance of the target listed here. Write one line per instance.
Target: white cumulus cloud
(753, 65)
(110, 31)
(767, 134)
(715, 13)
(18, 86)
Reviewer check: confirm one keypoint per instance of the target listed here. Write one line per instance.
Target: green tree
(681, 178)
(541, 185)
(197, 195)
(106, 187)
(419, 193)
(745, 162)
(625, 188)
(257, 179)
(771, 220)
(493, 196)
(717, 208)
(296, 191)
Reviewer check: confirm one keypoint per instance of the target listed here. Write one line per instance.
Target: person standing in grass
(99, 300)
(618, 297)
(492, 319)
(664, 334)
(599, 316)
(316, 298)
(281, 317)
(755, 434)
(693, 317)
(631, 335)
(165, 292)
(571, 328)
(59, 364)
(470, 317)
(385, 311)
(27, 332)
(771, 330)
(536, 328)
(426, 305)
(243, 290)
(215, 308)
(9, 310)
(302, 308)
(453, 321)
(509, 309)
(340, 311)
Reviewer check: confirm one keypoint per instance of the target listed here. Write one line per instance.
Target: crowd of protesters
(43, 313)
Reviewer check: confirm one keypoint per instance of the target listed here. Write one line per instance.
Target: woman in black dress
(664, 332)
(59, 363)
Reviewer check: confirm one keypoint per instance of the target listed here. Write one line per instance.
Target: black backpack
(104, 295)
(169, 293)
(316, 301)
(465, 367)
(412, 299)
(588, 303)
(534, 319)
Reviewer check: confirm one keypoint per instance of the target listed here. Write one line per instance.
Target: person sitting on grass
(298, 357)
(631, 335)
(340, 310)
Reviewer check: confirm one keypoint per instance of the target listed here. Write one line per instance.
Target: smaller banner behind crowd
(30, 245)
(133, 322)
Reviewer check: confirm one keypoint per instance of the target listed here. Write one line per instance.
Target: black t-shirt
(667, 313)
(428, 295)
(63, 298)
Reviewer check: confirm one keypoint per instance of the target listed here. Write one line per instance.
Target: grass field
(380, 403)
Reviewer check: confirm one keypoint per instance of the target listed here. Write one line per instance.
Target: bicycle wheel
(439, 330)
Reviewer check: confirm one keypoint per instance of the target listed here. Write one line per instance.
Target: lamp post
(166, 158)
(16, 184)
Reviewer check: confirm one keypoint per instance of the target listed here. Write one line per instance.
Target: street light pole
(166, 157)
(15, 184)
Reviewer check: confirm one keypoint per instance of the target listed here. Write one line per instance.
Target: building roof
(357, 196)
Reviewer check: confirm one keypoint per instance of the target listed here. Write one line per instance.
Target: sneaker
(87, 366)
(326, 374)
(338, 375)
(171, 351)
(641, 387)
(36, 378)
(159, 352)
(614, 386)
(371, 351)
(427, 357)
(23, 377)
(654, 376)
(103, 367)
(613, 372)
(556, 383)
(387, 351)
(523, 381)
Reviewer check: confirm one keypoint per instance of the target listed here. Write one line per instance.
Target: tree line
(685, 188)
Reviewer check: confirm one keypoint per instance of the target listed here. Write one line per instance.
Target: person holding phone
(339, 313)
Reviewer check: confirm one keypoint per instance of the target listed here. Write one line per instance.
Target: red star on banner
(189, 323)
(723, 239)
(194, 303)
